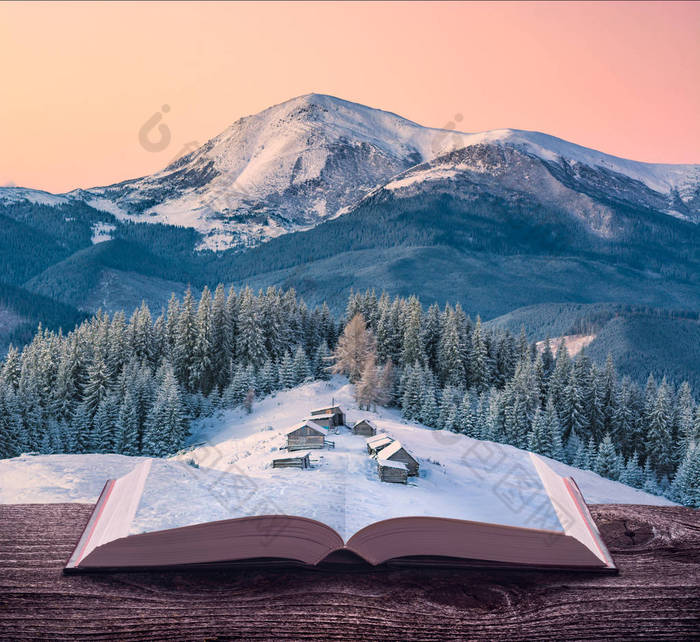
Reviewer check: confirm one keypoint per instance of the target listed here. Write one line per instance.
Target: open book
(124, 531)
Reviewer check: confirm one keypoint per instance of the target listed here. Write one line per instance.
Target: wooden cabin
(364, 427)
(300, 460)
(394, 472)
(396, 452)
(307, 434)
(376, 443)
(329, 416)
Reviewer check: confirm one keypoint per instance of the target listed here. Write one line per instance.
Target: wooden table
(656, 595)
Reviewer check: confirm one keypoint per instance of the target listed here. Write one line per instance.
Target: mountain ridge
(314, 157)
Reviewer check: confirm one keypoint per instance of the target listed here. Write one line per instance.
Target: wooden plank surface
(655, 596)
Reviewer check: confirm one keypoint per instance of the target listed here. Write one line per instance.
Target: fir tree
(429, 408)
(659, 436)
(632, 474)
(606, 462)
(322, 360)
(451, 366)
(287, 376)
(165, 427)
(555, 448)
(686, 482)
(538, 437)
(300, 365)
(412, 352)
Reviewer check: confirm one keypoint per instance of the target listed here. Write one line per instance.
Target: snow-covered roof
(325, 409)
(296, 455)
(382, 443)
(311, 424)
(369, 422)
(328, 415)
(379, 437)
(390, 450)
(387, 463)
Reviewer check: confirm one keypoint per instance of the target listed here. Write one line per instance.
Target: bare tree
(367, 387)
(248, 401)
(355, 346)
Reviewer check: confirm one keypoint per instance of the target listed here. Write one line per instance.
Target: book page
(343, 491)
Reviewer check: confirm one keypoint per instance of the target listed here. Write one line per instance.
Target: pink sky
(79, 80)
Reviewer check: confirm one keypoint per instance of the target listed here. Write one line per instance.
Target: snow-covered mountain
(227, 472)
(314, 157)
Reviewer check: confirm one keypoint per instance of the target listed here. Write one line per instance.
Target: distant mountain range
(324, 195)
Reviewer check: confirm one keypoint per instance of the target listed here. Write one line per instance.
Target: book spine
(89, 529)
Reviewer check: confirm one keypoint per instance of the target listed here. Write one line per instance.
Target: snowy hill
(304, 161)
(459, 475)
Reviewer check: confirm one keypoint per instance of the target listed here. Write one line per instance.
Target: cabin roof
(311, 424)
(387, 463)
(326, 409)
(327, 415)
(390, 450)
(379, 437)
(296, 455)
(369, 422)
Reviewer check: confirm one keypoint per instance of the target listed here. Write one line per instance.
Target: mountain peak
(314, 156)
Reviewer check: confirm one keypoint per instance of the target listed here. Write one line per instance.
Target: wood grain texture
(655, 596)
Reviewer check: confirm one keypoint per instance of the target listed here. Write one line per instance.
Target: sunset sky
(79, 80)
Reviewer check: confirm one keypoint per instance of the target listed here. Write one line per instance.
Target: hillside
(641, 340)
(234, 475)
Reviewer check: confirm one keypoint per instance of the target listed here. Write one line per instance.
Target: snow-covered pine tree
(450, 360)
(140, 333)
(202, 375)
(555, 448)
(11, 368)
(479, 374)
(97, 385)
(250, 344)
(547, 360)
(686, 482)
(287, 376)
(466, 421)
(684, 422)
(559, 380)
(659, 438)
(651, 480)
(607, 462)
(429, 408)
(632, 473)
(322, 361)
(185, 340)
(128, 429)
(572, 411)
(538, 438)
(166, 426)
(104, 437)
(412, 352)
(221, 333)
(447, 409)
(301, 366)
(430, 336)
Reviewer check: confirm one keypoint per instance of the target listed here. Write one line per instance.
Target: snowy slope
(460, 477)
(296, 164)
